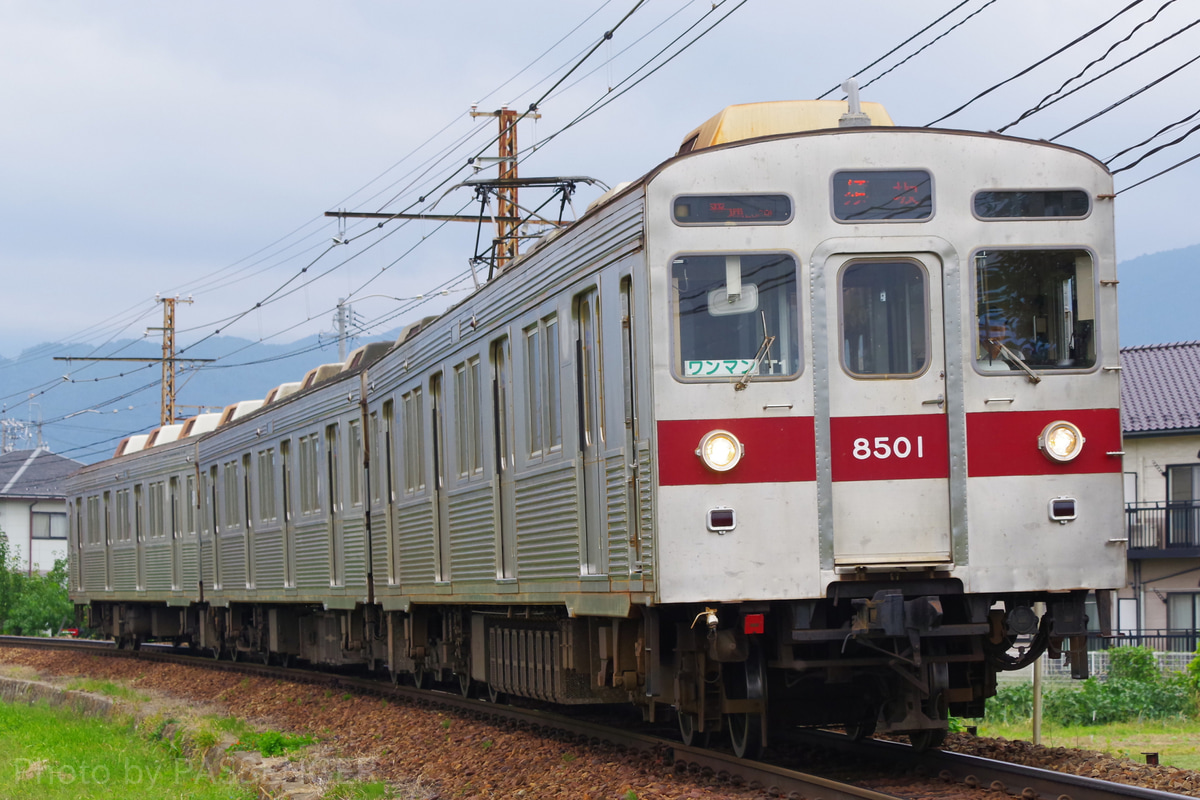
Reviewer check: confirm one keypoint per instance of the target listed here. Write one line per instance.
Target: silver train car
(811, 425)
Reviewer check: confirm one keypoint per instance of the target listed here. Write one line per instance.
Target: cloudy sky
(192, 148)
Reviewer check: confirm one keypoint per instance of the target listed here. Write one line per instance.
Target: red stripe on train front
(778, 450)
(1006, 443)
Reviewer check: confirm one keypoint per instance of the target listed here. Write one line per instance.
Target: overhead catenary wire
(1077, 40)
(1125, 99)
(1045, 103)
(920, 50)
(1177, 123)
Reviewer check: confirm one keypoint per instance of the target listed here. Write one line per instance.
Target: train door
(590, 383)
(388, 491)
(285, 471)
(506, 545)
(248, 520)
(106, 539)
(440, 501)
(887, 426)
(629, 378)
(215, 525)
(139, 538)
(176, 536)
(334, 527)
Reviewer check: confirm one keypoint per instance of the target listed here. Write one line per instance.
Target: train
(815, 424)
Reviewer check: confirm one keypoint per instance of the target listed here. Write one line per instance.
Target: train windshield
(735, 316)
(1036, 307)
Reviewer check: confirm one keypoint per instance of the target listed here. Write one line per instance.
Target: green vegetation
(32, 604)
(271, 743)
(106, 688)
(1134, 689)
(359, 790)
(49, 753)
(1133, 709)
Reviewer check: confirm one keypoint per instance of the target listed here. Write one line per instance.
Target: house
(33, 506)
(1160, 416)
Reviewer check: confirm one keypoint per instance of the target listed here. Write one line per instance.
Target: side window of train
(156, 510)
(414, 442)
(232, 491)
(355, 467)
(266, 485)
(735, 314)
(884, 319)
(189, 505)
(468, 415)
(124, 530)
(93, 520)
(543, 397)
(1031, 204)
(1034, 309)
(307, 447)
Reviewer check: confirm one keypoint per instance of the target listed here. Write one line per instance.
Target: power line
(1153, 136)
(1045, 103)
(950, 30)
(1036, 64)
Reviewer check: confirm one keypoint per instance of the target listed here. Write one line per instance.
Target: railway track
(936, 773)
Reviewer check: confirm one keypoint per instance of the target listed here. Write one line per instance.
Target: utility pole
(167, 410)
(343, 311)
(508, 215)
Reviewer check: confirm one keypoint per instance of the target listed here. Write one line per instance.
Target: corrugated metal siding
(124, 564)
(190, 567)
(312, 555)
(645, 474)
(233, 561)
(93, 569)
(157, 566)
(379, 547)
(473, 533)
(547, 506)
(617, 512)
(354, 550)
(268, 559)
(414, 536)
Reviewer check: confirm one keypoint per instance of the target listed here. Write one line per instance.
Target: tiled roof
(1160, 387)
(34, 473)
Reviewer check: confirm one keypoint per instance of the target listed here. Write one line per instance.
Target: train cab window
(884, 319)
(1035, 310)
(1032, 204)
(735, 315)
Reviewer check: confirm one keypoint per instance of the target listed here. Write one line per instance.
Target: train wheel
(861, 730)
(687, 730)
(747, 681)
(215, 652)
(422, 678)
(464, 684)
(494, 695)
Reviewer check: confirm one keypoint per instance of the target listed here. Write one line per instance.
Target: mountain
(85, 408)
(1159, 297)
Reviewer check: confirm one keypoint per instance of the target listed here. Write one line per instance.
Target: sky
(191, 150)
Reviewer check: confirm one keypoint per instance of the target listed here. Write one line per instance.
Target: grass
(106, 688)
(1177, 742)
(51, 754)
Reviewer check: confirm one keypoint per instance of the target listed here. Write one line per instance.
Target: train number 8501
(887, 447)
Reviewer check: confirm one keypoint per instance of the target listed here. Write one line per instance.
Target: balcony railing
(1169, 525)
(1160, 641)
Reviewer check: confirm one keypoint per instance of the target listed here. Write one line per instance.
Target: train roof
(752, 120)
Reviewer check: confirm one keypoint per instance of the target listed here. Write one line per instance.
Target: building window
(49, 525)
(1183, 611)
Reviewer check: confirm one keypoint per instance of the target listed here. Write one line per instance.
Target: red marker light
(753, 623)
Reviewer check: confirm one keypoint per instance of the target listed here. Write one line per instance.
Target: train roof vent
(164, 435)
(239, 410)
(322, 373)
(132, 444)
(415, 328)
(201, 423)
(611, 193)
(750, 120)
(364, 355)
(283, 390)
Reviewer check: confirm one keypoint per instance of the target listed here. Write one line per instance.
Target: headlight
(720, 450)
(1060, 441)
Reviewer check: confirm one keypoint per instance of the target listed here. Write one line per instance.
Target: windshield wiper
(763, 349)
(1015, 360)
